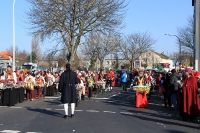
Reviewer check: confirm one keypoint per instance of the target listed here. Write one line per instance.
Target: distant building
(5, 58)
(151, 57)
(147, 60)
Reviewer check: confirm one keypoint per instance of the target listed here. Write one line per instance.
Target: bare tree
(186, 35)
(21, 55)
(61, 57)
(70, 20)
(185, 58)
(35, 49)
(135, 44)
(99, 46)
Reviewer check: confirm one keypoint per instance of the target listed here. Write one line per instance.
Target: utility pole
(14, 35)
(196, 4)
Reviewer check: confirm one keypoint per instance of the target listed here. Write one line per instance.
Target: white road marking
(78, 110)
(61, 105)
(16, 107)
(92, 111)
(128, 113)
(47, 108)
(160, 124)
(100, 98)
(10, 131)
(59, 109)
(33, 132)
(1, 124)
(109, 112)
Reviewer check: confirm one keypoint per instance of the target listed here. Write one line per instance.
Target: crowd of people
(39, 84)
(179, 90)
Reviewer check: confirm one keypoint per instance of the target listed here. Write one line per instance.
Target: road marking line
(109, 112)
(16, 107)
(92, 111)
(33, 132)
(59, 109)
(100, 98)
(47, 108)
(126, 113)
(10, 131)
(78, 110)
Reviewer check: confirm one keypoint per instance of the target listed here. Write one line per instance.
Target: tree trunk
(101, 63)
(131, 64)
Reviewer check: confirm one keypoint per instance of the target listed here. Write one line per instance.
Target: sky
(157, 17)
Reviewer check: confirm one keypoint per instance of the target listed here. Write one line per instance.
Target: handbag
(29, 85)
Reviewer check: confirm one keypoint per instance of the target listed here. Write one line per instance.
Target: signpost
(137, 64)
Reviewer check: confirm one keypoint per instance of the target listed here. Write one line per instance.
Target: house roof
(162, 55)
(4, 55)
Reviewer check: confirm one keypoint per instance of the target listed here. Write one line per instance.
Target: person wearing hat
(190, 108)
(67, 83)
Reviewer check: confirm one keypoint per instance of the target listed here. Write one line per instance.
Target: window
(108, 62)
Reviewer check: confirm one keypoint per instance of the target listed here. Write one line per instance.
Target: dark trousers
(90, 91)
(167, 99)
(124, 85)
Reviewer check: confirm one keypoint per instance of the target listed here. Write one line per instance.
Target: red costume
(111, 75)
(191, 102)
(141, 99)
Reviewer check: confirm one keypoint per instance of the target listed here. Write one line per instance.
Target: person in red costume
(141, 99)
(190, 99)
(110, 78)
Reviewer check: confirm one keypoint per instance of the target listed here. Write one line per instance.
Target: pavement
(113, 112)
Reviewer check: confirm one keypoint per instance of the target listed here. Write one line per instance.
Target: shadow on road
(154, 113)
(53, 102)
(175, 131)
(45, 111)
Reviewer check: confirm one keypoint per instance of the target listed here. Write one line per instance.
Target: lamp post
(179, 44)
(14, 35)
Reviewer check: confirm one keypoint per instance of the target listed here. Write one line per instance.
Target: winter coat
(173, 84)
(67, 83)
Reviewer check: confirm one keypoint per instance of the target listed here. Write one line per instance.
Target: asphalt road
(109, 113)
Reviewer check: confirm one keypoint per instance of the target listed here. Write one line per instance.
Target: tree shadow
(53, 102)
(157, 119)
(45, 111)
(175, 131)
(154, 110)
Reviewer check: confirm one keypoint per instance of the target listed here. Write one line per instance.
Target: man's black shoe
(65, 116)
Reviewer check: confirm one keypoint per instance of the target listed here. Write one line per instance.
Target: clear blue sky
(155, 16)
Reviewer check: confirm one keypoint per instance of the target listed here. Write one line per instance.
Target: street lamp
(178, 40)
(14, 35)
(179, 44)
